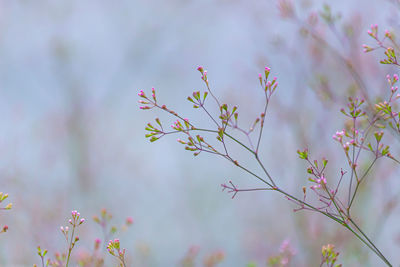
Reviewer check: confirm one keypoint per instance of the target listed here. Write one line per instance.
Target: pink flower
(129, 220)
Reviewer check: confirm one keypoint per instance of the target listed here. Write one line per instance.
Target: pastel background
(72, 134)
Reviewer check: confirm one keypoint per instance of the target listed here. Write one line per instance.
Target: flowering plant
(363, 134)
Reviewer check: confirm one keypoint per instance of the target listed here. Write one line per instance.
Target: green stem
(70, 245)
(359, 182)
(230, 136)
(376, 250)
(265, 170)
(291, 196)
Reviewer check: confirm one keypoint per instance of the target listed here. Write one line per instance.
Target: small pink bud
(201, 69)
(97, 243)
(129, 220)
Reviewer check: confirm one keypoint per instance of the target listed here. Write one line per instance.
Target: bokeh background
(72, 134)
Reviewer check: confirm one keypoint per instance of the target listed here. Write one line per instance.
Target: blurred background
(72, 134)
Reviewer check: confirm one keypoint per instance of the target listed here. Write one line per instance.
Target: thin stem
(209, 90)
(359, 182)
(247, 134)
(365, 136)
(289, 195)
(352, 161)
(262, 126)
(265, 170)
(231, 137)
(366, 243)
(70, 245)
(206, 130)
(254, 189)
(366, 237)
(209, 115)
(252, 173)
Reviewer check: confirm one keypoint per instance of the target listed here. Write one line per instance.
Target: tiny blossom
(366, 48)
(346, 146)
(129, 220)
(323, 179)
(373, 31)
(339, 135)
(285, 245)
(314, 187)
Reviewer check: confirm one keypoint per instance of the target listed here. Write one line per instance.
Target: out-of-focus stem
(70, 245)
